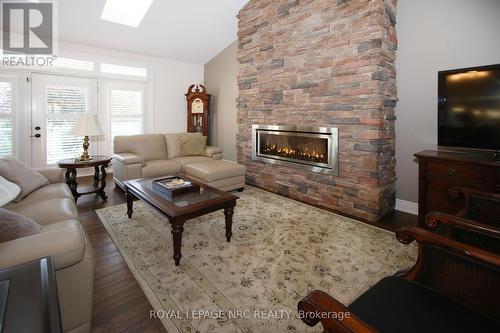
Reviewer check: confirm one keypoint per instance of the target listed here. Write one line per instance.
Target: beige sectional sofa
(62, 237)
(155, 155)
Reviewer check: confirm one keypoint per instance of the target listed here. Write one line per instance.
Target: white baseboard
(407, 206)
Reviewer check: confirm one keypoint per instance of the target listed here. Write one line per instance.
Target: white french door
(56, 103)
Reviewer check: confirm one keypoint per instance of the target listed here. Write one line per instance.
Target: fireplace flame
(295, 153)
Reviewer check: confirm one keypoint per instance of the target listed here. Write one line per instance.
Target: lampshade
(86, 125)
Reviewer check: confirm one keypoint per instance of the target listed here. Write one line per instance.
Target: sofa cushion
(174, 144)
(160, 168)
(215, 170)
(14, 226)
(49, 211)
(193, 145)
(19, 173)
(185, 160)
(147, 146)
(395, 305)
(51, 191)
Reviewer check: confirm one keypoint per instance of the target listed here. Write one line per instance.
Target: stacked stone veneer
(322, 63)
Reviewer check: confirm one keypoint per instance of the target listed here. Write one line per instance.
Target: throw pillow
(174, 143)
(14, 226)
(193, 145)
(19, 173)
(8, 191)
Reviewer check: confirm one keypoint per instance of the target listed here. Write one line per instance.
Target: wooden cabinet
(440, 171)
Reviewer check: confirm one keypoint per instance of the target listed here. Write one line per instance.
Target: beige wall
(433, 36)
(221, 82)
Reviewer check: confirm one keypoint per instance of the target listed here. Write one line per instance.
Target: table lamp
(86, 125)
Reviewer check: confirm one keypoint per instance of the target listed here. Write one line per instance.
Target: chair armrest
(318, 306)
(422, 236)
(467, 193)
(211, 151)
(53, 174)
(462, 272)
(434, 219)
(128, 158)
(65, 244)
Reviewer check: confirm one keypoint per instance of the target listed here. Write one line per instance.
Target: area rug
(280, 251)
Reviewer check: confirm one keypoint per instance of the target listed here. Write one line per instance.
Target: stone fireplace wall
(328, 63)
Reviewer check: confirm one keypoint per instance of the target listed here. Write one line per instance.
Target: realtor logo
(28, 28)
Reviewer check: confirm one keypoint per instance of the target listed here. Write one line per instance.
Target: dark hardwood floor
(119, 303)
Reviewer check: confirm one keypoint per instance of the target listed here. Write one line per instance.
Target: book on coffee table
(174, 186)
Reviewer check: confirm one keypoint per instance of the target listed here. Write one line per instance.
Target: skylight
(126, 12)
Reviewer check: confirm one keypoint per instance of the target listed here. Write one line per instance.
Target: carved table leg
(130, 203)
(96, 176)
(177, 229)
(228, 214)
(71, 181)
(101, 191)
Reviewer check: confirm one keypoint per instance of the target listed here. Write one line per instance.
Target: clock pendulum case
(197, 110)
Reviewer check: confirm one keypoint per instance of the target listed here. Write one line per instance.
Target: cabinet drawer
(454, 170)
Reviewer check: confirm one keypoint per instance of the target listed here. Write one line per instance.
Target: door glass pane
(66, 100)
(126, 112)
(60, 144)
(63, 105)
(6, 137)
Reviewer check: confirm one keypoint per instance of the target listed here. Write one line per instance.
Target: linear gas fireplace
(310, 148)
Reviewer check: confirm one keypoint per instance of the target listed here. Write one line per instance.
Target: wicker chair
(453, 287)
(479, 206)
(477, 223)
(467, 231)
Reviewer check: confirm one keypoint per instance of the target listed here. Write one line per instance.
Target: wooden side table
(98, 162)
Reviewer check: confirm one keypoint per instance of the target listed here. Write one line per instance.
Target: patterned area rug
(280, 250)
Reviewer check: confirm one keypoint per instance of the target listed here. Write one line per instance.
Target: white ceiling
(184, 30)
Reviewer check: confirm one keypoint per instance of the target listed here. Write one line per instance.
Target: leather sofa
(155, 155)
(62, 237)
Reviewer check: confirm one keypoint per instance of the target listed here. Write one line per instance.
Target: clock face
(197, 106)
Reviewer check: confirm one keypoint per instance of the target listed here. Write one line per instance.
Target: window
(126, 112)
(124, 70)
(6, 119)
(75, 64)
(63, 105)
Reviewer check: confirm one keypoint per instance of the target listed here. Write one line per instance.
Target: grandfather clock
(197, 110)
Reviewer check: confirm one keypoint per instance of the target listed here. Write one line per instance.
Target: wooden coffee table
(181, 208)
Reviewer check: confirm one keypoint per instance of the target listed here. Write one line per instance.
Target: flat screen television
(469, 108)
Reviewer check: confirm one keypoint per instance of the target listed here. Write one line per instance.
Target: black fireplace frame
(328, 133)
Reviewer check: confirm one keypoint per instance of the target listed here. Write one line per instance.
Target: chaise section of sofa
(154, 155)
